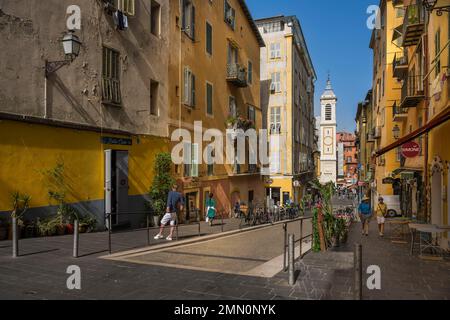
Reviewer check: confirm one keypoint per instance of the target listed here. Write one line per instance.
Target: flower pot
(83, 228)
(69, 228)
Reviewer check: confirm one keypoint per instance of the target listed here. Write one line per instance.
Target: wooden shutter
(192, 22)
(192, 90)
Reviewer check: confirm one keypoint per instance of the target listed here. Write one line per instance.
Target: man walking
(365, 213)
(174, 200)
(381, 215)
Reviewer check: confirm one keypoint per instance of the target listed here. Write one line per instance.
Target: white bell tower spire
(328, 128)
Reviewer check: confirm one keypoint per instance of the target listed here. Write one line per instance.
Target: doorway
(116, 186)
(191, 206)
(436, 197)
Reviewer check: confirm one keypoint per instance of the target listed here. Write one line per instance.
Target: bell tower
(328, 128)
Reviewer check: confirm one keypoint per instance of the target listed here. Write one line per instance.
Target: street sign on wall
(410, 149)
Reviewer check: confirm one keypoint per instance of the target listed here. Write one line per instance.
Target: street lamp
(71, 45)
(396, 132)
(430, 5)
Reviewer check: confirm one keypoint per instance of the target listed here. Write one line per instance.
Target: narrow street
(245, 265)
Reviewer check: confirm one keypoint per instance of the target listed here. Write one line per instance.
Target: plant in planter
(162, 184)
(65, 214)
(88, 223)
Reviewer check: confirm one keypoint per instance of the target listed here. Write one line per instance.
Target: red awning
(436, 121)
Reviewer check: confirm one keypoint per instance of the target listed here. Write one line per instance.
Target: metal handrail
(300, 240)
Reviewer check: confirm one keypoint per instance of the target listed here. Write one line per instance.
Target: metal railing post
(291, 257)
(15, 238)
(285, 247)
(109, 233)
(76, 238)
(301, 238)
(148, 229)
(357, 290)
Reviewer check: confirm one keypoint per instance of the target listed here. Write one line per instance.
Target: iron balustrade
(300, 240)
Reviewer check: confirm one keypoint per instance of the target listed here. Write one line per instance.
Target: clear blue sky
(338, 41)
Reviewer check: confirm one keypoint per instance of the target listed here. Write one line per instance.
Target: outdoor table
(413, 228)
(433, 243)
(398, 229)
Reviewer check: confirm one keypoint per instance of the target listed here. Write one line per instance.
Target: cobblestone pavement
(40, 273)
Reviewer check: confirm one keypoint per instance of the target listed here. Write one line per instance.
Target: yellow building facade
(214, 74)
(287, 91)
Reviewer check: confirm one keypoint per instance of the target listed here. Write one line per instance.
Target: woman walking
(211, 208)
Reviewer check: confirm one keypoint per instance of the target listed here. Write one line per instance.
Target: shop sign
(117, 141)
(410, 149)
(388, 181)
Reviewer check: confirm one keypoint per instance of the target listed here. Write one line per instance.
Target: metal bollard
(109, 233)
(357, 290)
(285, 246)
(148, 230)
(76, 238)
(15, 238)
(301, 239)
(291, 255)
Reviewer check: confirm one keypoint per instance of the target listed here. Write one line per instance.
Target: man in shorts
(365, 213)
(174, 201)
(381, 214)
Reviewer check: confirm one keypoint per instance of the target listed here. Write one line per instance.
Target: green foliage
(20, 204)
(315, 225)
(162, 183)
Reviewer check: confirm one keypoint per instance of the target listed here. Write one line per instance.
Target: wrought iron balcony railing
(412, 91)
(237, 75)
(413, 24)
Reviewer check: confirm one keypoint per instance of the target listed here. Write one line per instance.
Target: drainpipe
(45, 91)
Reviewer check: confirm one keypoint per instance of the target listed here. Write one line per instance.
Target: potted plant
(161, 186)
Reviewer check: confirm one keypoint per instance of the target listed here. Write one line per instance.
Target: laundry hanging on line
(120, 20)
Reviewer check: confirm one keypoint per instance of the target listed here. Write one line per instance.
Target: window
(126, 6)
(230, 15)
(328, 113)
(209, 99)
(349, 159)
(111, 76)
(154, 111)
(250, 72)
(275, 120)
(232, 107)
(399, 12)
(210, 164)
(251, 114)
(155, 18)
(191, 165)
(188, 23)
(276, 82)
(437, 49)
(233, 54)
(189, 88)
(209, 39)
(273, 27)
(275, 50)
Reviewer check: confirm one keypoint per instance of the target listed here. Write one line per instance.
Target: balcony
(400, 66)
(237, 75)
(398, 113)
(412, 91)
(413, 24)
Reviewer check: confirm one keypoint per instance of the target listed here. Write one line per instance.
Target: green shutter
(209, 99)
(209, 38)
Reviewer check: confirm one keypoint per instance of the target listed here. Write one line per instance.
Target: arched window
(328, 112)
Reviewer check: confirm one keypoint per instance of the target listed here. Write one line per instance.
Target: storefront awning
(398, 171)
(435, 122)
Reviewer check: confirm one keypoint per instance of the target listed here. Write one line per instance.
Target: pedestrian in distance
(175, 202)
(381, 212)
(365, 213)
(211, 209)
